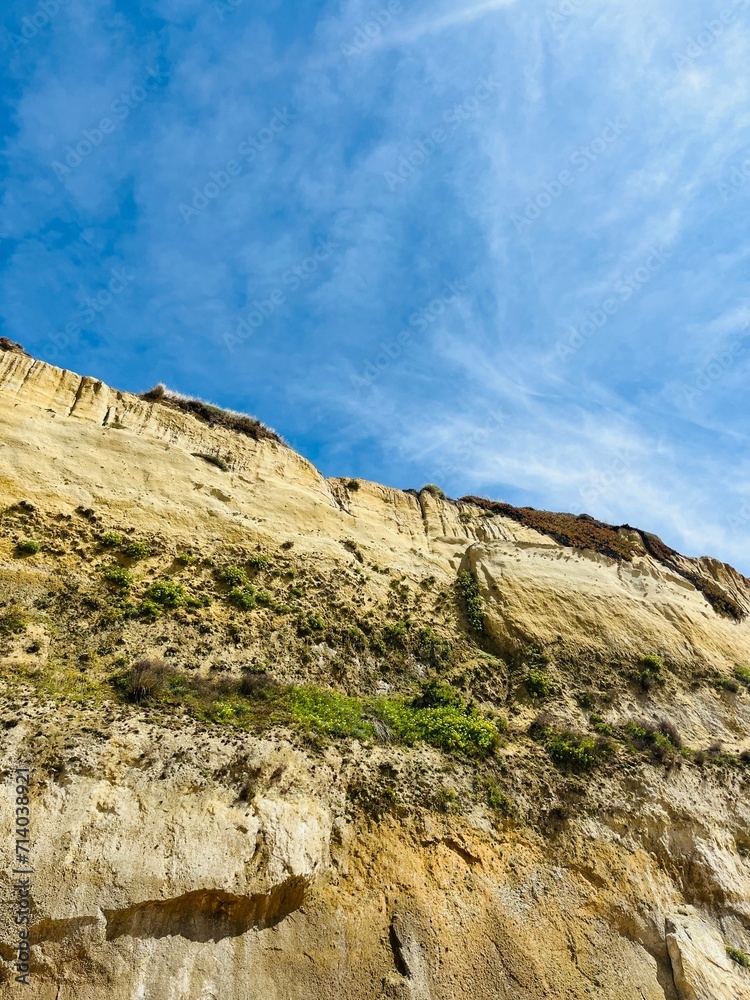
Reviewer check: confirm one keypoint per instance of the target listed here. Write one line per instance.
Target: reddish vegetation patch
(579, 532)
(584, 532)
(213, 415)
(11, 345)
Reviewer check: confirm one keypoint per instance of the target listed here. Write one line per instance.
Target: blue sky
(501, 246)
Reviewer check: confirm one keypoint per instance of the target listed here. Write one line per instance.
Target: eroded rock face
(181, 860)
(698, 952)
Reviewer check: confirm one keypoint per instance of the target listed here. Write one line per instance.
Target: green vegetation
(353, 485)
(13, 622)
(136, 550)
(472, 600)
(395, 633)
(28, 547)
(435, 490)
(215, 460)
(600, 726)
(166, 594)
(244, 598)
(743, 675)
(662, 741)
(118, 576)
(438, 716)
(431, 647)
(496, 798)
(569, 750)
(446, 800)
(538, 684)
(186, 558)
(233, 576)
(111, 540)
(739, 956)
(651, 671)
(259, 562)
(328, 713)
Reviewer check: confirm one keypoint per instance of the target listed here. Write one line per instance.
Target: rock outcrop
(184, 850)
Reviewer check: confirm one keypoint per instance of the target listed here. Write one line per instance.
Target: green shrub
(395, 633)
(328, 713)
(652, 667)
(600, 726)
(136, 550)
(186, 558)
(430, 646)
(451, 728)
(469, 590)
(569, 750)
(233, 576)
(572, 750)
(538, 684)
(497, 800)
(259, 561)
(652, 663)
(167, 594)
(446, 800)
(13, 622)
(118, 576)
(28, 547)
(739, 956)
(663, 741)
(310, 624)
(435, 490)
(743, 675)
(244, 598)
(149, 609)
(436, 694)
(353, 485)
(111, 540)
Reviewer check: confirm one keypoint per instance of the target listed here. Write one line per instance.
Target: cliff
(292, 736)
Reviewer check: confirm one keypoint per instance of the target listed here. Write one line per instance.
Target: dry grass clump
(6, 344)
(215, 416)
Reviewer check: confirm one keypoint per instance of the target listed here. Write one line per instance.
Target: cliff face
(263, 823)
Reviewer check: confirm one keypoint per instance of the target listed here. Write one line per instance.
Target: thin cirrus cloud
(500, 245)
